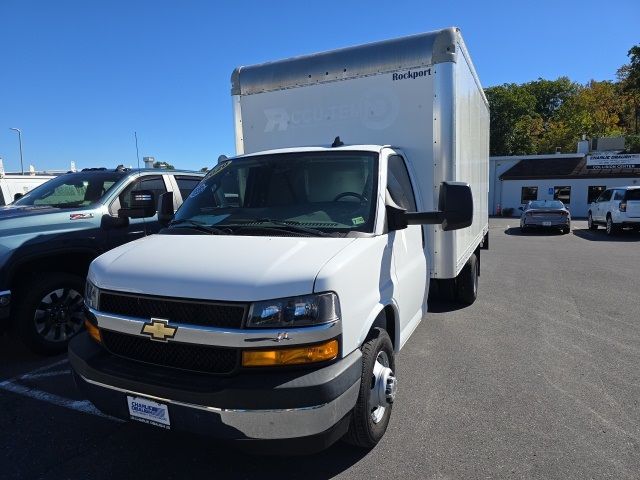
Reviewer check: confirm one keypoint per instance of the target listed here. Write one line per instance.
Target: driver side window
(605, 197)
(399, 184)
(153, 183)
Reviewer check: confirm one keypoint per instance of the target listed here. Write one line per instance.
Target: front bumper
(269, 405)
(5, 304)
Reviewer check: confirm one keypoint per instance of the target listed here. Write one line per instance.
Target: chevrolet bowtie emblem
(159, 329)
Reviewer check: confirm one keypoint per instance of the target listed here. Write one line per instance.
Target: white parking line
(14, 385)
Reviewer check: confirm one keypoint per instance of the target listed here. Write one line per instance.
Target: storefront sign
(618, 160)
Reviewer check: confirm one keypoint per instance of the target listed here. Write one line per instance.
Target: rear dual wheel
(467, 281)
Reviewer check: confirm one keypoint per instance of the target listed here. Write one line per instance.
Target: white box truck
(272, 306)
(14, 186)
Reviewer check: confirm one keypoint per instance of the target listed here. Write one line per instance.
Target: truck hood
(229, 268)
(22, 223)
(17, 211)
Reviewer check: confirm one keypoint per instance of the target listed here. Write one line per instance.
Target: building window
(593, 192)
(528, 194)
(563, 194)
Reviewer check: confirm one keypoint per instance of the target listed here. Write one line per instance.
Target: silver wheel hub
(384, 387)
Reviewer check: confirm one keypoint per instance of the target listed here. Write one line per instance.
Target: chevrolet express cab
(272, 306)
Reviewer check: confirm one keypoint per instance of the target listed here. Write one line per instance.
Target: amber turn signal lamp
(319, 352)
(94, 332)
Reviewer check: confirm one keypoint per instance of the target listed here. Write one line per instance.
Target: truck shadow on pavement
(601, 236)
(186, 456)
(444, 306)
(98, 447)
(542, 232)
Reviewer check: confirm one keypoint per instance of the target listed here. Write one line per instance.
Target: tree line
(540, 116)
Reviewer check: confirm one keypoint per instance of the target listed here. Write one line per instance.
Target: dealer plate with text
(147, 411)
(546, 224)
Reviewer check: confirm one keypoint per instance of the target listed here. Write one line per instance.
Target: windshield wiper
(194, 224)
(67, 205)
(291, 225)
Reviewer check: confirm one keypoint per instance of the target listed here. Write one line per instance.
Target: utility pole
(20, 142)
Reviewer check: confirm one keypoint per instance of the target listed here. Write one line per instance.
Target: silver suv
(615, 209)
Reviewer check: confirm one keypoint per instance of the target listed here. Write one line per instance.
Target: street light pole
(20, 142)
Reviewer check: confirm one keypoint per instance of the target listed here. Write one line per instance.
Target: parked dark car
(545, 214)
(49, 237)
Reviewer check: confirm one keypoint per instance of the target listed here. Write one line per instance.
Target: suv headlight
(91, 295)
(294, 311)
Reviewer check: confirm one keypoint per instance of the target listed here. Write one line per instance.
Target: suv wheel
(612, 229)
(590, 224)
(50, 311)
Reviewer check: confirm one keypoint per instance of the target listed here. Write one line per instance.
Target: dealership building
(576, 179)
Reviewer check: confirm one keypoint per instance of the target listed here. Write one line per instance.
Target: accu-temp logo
(411, 75)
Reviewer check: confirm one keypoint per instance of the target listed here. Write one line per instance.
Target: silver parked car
(545, 214)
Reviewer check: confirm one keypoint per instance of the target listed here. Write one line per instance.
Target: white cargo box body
(10, 185)
(419, 94)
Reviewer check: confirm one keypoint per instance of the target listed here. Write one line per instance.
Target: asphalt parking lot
(540, 378)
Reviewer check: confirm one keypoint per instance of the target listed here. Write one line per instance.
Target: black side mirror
(109, 222)
(18, 196)
(143, 205)
(455, 210)
(521, 208)
(165, 208)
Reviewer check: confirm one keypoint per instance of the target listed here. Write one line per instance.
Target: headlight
(295, 311)
(91, 295)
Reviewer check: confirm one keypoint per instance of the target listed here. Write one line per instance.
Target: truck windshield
(325, 192)
(72, 190)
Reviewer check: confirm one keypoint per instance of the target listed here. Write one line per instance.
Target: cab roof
(344, 148)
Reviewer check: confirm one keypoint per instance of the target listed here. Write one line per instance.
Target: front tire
(590, 224)
(50, 311)
(370, 417)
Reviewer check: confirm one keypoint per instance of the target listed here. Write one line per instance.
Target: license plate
(147, 411)
(546, 224)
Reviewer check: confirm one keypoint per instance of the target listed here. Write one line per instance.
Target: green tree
(595, 110)
(164, 165)
(508, 103)
(522, 114)
(629, 78)
(550, 95)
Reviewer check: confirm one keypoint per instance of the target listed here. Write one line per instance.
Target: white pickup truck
(273, 305)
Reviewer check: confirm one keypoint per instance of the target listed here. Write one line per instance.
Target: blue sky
(78, 77)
